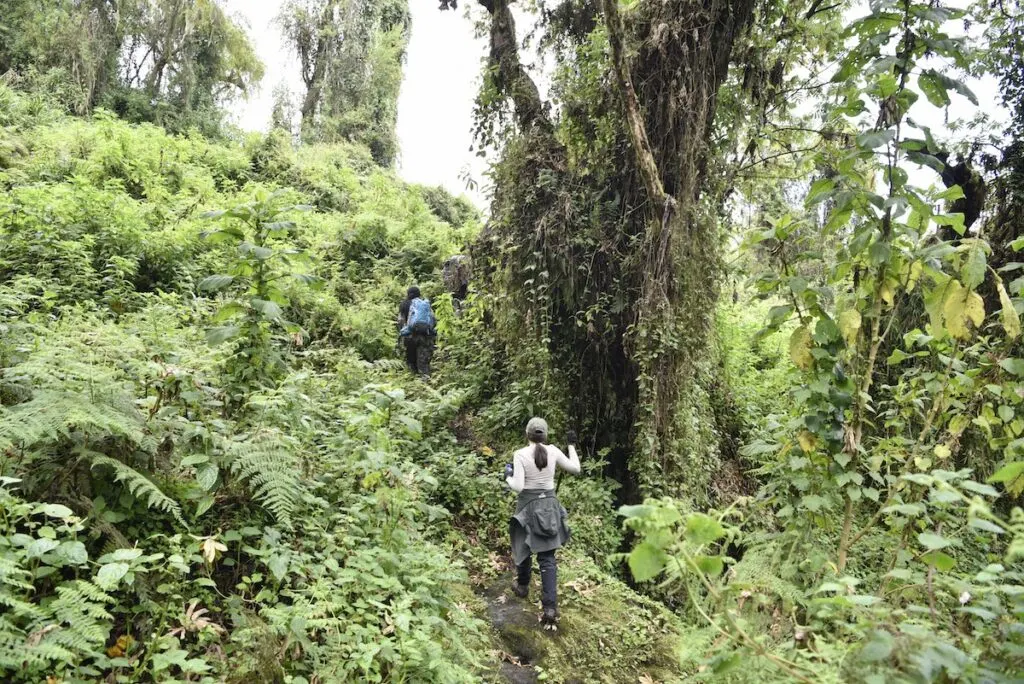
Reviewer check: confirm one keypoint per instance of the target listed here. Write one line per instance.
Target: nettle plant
(900, 364)
(907, 395)
(263, 262)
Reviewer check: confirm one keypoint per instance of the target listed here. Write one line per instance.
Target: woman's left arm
(570, 463)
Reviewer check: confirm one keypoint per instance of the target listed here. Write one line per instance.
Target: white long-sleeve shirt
(526, 475)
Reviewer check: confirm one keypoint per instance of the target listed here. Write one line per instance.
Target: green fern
(50, 414)
(267, 463)
(39, 424)
(138, 484)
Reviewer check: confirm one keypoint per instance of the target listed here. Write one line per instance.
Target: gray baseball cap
(537, 430)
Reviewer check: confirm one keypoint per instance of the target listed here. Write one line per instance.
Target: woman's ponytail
(540, 456)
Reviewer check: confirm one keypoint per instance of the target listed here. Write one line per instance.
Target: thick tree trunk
(683, 61)
(668, 276)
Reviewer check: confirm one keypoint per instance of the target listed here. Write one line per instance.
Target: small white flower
(965, 597)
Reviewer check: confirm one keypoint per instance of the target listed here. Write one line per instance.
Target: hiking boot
(549, 619)
(521, 590)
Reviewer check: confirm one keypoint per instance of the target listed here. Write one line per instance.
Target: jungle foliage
(781, 309)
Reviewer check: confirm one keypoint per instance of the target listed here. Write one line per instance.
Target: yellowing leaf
(210, 548)
(1011, 321)
(961, 308)
(887, 293)
(800, 348)
(915, 275)
(807, 441)
(942, 452)
(849, 325)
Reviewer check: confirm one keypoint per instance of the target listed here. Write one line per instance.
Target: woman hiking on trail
(540, 523)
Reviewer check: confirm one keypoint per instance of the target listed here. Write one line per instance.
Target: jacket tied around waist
(540, 524)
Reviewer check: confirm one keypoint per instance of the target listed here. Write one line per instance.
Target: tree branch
(511, 78)
(637, 130)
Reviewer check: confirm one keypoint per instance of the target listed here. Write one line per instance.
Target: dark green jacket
(540, 524)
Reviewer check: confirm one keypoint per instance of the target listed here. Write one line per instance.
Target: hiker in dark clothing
(418, 340)
(540, 524)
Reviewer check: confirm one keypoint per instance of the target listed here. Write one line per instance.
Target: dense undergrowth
(174, 510)
(213, 466)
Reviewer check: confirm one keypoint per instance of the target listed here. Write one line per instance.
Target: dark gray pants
(548, 577)
(418, 350)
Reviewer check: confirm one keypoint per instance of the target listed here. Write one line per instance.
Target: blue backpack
(421, 318)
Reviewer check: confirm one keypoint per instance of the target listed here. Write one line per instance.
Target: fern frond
(268, 464)
(19, 607)
(138, 484)
(13, 575)
(50, 414)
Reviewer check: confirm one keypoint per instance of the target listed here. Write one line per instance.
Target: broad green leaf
(950, 194)
(646, 561)
(800, 348)
(110, 574)
(942, 561)
(278, 565)
(932, 541)
(39, 547)
(194, 459)
(701, 529)
(215, 282)
(278, 226)
(72, 553)
(987, 526)
(53, 511)
(206, 475)
(925, 159)
(228, 311)
(973, 272)
(710, 565)
(120, 555)
(204, 504)
(307, 279)
(878, 253)
(228, 234)
(978, 488)
(1012, 477)
(813, 502)
(954, 221)
(215, 336)
(1014, 366)
(947, 83)
(413, 427)
(261, 253)
(819, 190)
(636, 511)
(870, 140)
(878, 648)
(269, 310)
(897, 356)
(933, 88)
(909, 510)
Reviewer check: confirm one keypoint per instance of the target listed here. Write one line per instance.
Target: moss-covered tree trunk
(658, 255)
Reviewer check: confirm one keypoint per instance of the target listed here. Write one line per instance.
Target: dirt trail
(515, 621)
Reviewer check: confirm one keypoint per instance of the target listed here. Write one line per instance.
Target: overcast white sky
(435, 108)
(442, 76)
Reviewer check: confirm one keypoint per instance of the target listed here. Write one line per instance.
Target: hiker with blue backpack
(418, 330)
